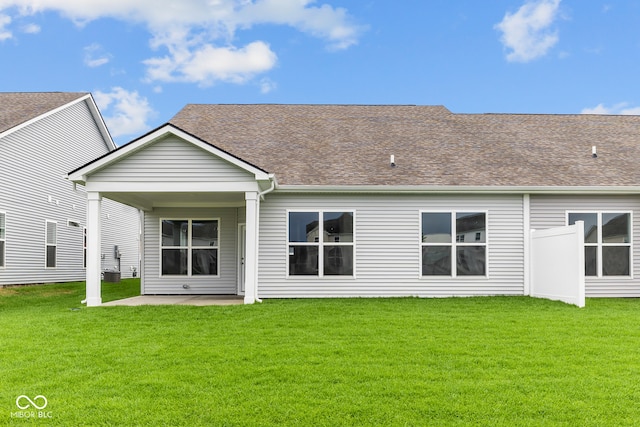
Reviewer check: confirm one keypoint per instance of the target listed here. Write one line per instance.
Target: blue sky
(144, 60)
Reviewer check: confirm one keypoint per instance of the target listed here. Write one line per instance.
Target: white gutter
(274, 183)
(449, 189)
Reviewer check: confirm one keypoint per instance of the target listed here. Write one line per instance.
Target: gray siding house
(43, 215)
(290, 201)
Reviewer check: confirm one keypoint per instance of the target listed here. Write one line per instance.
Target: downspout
(261, 195)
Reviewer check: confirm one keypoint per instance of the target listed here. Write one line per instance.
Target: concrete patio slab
(200, 300)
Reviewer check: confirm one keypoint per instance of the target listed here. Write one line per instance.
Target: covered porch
(199, 215)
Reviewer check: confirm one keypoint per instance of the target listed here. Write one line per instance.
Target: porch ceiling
(149, 200)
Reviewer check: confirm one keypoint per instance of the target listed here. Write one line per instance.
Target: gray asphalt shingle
(350, 145)
(19, 107)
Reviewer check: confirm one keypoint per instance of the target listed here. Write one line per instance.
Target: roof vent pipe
(392, 161)
(594, 154)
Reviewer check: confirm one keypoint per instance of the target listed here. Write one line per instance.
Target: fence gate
(557, 264)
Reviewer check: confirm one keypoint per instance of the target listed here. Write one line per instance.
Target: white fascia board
(42, 116)
(80, 175)
(453, 189)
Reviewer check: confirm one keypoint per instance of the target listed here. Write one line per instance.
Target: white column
(94, 261)
(251, 247)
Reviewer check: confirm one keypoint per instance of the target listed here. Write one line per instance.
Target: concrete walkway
(178, 300)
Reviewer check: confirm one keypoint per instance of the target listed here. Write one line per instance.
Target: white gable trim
(102, 126)
(80, 175)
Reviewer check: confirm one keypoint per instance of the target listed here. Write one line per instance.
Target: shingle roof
(350, 145)
(19, 107)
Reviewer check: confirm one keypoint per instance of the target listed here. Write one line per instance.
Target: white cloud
(96, 62)
(94, 56)
(198, 34)
(527, 34)
(31, 29)
(267, 85)
(208, 64)
(324, 21)
(598, 109)
(621, 108)
(125, 113)
(4, 33)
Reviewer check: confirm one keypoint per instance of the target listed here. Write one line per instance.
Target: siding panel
(171, 159)
(120, 227)
(387, 249)
(35, 160)
(550, 211)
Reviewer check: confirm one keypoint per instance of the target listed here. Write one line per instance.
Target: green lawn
(462, 361)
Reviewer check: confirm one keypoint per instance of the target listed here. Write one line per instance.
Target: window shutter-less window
(321, 243)
(52, 235)
(454, 244)
(190, 247)
(607, 242)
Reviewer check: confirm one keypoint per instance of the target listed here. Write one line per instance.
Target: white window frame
(3, 239)
(600, 243)
(48, 244)
(455, 243)
(189, 247)
(320, 245)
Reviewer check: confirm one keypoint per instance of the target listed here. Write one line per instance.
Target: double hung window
(51, 244)
(454, 243)
(190, 247)
(607, 242)
(321, 243)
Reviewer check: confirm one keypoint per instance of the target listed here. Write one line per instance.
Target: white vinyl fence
(557, 264)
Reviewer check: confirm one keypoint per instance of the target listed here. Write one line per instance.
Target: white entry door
(242, 237)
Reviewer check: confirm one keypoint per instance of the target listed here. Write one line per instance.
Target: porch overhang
(147, 197)
(219, 180)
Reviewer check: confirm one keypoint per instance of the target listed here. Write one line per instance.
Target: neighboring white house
(411, 200)
(42, 214)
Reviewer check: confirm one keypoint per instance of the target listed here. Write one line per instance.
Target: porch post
(251, 247)
(94, 262)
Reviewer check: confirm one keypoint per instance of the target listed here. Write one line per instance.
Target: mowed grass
(408, 361)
